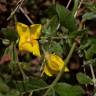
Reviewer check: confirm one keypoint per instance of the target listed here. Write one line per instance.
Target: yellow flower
(54, 64)
(28, 37)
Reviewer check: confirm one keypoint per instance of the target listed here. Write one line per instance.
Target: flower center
(29, 39)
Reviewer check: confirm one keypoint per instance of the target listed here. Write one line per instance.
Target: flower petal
(58, 61)
(35, 30)
(35, 46)
(47, 71)
(22, 29)
(26, 47)
(54, 62)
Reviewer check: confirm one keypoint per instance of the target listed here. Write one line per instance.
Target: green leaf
(51, 11)
(64, 89)
(90, 51)
(1, 94)
(3, 87)
(13, 93)
(56, 48)
(76, 2)
(85, 45)
(83, 78)
(95, 94)
(66, 18)
(52, 26)
(89, 16)
(90, 6)
(9, 34)
(31, 84)
(77, 33)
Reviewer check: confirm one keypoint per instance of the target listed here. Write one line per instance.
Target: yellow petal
(54, 62)
(35, 46)
(35, 30)
(47, 71)
(26, 47)
(58, 60)
(22, 29)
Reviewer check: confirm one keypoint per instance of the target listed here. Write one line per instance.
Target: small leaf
(51, 11)
(90, 6)
(83, 78)
(9, 34)
(64, 89)
(66, 18)
(90, 51)
(13, 93)
(56, 48)
(95, 94)
(1, 94)
(89, 16)
(76, 2)
(52, 26)
(3, 87)
(31, 84)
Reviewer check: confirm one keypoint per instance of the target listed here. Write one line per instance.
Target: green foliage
(3, 87)
(89, 16)
(60, 29)
(51, 11)
(66, 18)
(64, 89)
(83, 78)
(9, 33)
(90, 6)
(56, 48)
(52, 26)
(76, 2)
(90, 52)
(31, 84)
(13, 93)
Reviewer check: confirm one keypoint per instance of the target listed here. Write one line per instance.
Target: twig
(50, 37)
(53, 2)
(22, 72)
(19, 3)
(93, 75)
(31, 93)
(28, 18)
(69, 2)
(78, 8)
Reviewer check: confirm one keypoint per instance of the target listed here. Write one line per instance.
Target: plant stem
(78, 8)
(28, 18)
(34, 90)
(93, 75)
(22, 72)
(19, 3)
(53, 2)
(62, 70)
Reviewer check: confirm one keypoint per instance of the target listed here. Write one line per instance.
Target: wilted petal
(47, 71)
(54, 64)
